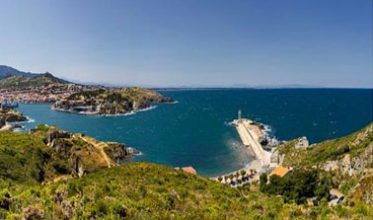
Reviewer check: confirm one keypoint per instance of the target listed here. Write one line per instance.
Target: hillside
(17, 82)
(6, 71)
(345, 149)
(48, 152)
(349, 159)
(39, 180)
(111, 101)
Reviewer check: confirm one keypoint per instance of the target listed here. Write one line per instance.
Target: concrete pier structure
(248, 132)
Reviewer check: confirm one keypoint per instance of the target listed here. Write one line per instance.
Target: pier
(250, 136)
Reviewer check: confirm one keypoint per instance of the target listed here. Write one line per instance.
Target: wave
(29, 120)
(129, 113)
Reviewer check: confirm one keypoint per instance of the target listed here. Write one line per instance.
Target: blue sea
(196, 132)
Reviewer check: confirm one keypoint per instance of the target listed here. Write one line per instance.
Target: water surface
(195, 131)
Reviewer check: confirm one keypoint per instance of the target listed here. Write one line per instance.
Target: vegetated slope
(349, 159)
(354, 146)
(39, 179)
(48, 153)
(17, 82)
(6, 71)
(149, 191)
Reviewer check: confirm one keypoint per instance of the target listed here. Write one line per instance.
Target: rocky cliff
(9, 116)
(82, 154)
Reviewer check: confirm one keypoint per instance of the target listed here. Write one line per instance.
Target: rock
(52, 135)
(302, 143)
(276, 157)
(119, 152)
(31, 213)
(5, 201)
(64, 205)
(352, 165)
(123, 212)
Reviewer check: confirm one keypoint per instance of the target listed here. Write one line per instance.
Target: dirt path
(100, 146)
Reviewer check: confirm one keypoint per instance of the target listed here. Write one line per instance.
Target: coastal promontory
(8, 116)
(111, 101)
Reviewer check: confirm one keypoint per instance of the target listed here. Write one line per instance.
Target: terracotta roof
(190, 170)
(280, 171)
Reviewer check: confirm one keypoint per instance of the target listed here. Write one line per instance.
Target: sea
(195, 131)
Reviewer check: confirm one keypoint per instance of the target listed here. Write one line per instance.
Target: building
(189, 170)
(280, 171)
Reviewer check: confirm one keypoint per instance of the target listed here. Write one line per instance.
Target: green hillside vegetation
(298, 186)
(133, 94)
(334, 149)
(34, 186)
(26, 82)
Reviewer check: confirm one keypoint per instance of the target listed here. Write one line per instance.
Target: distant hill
(6, 71)
(34, 81)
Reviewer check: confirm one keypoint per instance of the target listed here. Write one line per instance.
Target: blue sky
(325, 43)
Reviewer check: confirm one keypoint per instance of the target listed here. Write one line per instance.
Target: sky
(198, 43)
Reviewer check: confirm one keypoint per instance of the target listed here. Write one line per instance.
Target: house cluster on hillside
(44, 94)
(239, 178)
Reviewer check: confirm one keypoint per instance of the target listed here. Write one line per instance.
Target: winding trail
(100, 146)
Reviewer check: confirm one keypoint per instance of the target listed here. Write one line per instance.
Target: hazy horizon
(192, 43)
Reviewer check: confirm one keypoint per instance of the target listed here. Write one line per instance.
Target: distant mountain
(32, 81)
(6, 71)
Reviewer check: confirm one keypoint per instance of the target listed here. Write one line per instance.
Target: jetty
(250, 135)
(257, 143)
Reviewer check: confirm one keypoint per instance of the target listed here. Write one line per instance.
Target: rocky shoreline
(8, 117)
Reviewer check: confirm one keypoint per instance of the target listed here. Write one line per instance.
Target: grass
(328, 150)
(136, 190)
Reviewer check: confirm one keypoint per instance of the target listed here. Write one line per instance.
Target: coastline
(105, 115)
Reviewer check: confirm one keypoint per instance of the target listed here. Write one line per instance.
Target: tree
(263, 182)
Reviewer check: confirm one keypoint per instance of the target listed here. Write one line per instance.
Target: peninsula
(110, 101)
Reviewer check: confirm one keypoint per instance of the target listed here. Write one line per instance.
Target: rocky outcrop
(119, 152)
(10, 116)
(277, 158)
(83, 154)
(302, 143)
(352, 165)
(31, 213)
(66, 207)
(363, 191)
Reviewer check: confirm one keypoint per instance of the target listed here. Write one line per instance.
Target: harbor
(257, 143)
